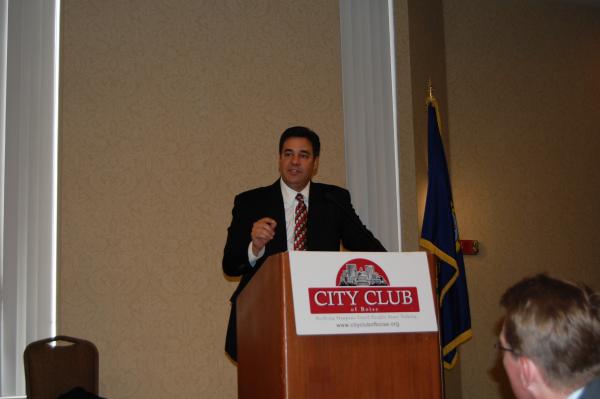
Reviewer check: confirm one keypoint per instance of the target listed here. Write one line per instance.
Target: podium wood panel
(274, 362)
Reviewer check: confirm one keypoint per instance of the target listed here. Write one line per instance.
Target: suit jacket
(591, 390)
(331, 221)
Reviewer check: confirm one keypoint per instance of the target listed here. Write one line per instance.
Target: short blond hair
(557, 325)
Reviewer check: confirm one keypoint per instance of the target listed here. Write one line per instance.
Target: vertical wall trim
(371, 145)
(29, 221)
(392, 30)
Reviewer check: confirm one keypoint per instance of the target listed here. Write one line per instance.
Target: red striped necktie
(300, 218)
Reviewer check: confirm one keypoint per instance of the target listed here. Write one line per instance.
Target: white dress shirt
(289, 207)
(575, 394)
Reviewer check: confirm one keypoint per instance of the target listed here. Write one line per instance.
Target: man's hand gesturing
(263, 231)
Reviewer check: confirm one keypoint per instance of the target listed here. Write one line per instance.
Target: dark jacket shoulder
(258, 192)
(329, 190)
(591, 390)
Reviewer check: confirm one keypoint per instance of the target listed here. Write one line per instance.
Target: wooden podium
(274, 362)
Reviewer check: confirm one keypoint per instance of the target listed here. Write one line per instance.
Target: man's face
(297, 163)
(512, 367)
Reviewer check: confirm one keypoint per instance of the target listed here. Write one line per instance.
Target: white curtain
(368, 78)
(27, 200)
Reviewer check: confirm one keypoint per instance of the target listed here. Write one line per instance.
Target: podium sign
(361, 293)
(350, 307)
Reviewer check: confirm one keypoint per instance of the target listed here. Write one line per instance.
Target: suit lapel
(316, 215)
(275, 199)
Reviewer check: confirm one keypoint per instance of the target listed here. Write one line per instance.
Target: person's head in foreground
(550, 338)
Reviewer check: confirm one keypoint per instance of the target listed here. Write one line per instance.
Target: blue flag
(440, 236)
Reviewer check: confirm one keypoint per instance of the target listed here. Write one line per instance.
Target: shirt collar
(575, 394)
(289, 195)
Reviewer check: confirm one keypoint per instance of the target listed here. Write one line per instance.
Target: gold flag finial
(429, 89)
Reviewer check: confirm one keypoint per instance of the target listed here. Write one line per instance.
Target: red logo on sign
(363, 287)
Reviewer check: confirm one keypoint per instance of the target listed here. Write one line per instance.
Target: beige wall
(168, 109)
(523, 98)
(421, 24)
(519, 91)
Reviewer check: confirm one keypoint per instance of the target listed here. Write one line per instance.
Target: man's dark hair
(301, 131)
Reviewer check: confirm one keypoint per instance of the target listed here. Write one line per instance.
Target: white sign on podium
(361, 292)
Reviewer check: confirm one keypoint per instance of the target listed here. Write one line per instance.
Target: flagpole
(431, 99)
(429, 90)
(439, 235)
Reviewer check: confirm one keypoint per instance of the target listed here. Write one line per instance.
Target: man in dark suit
(266, 220)
(550, 339)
